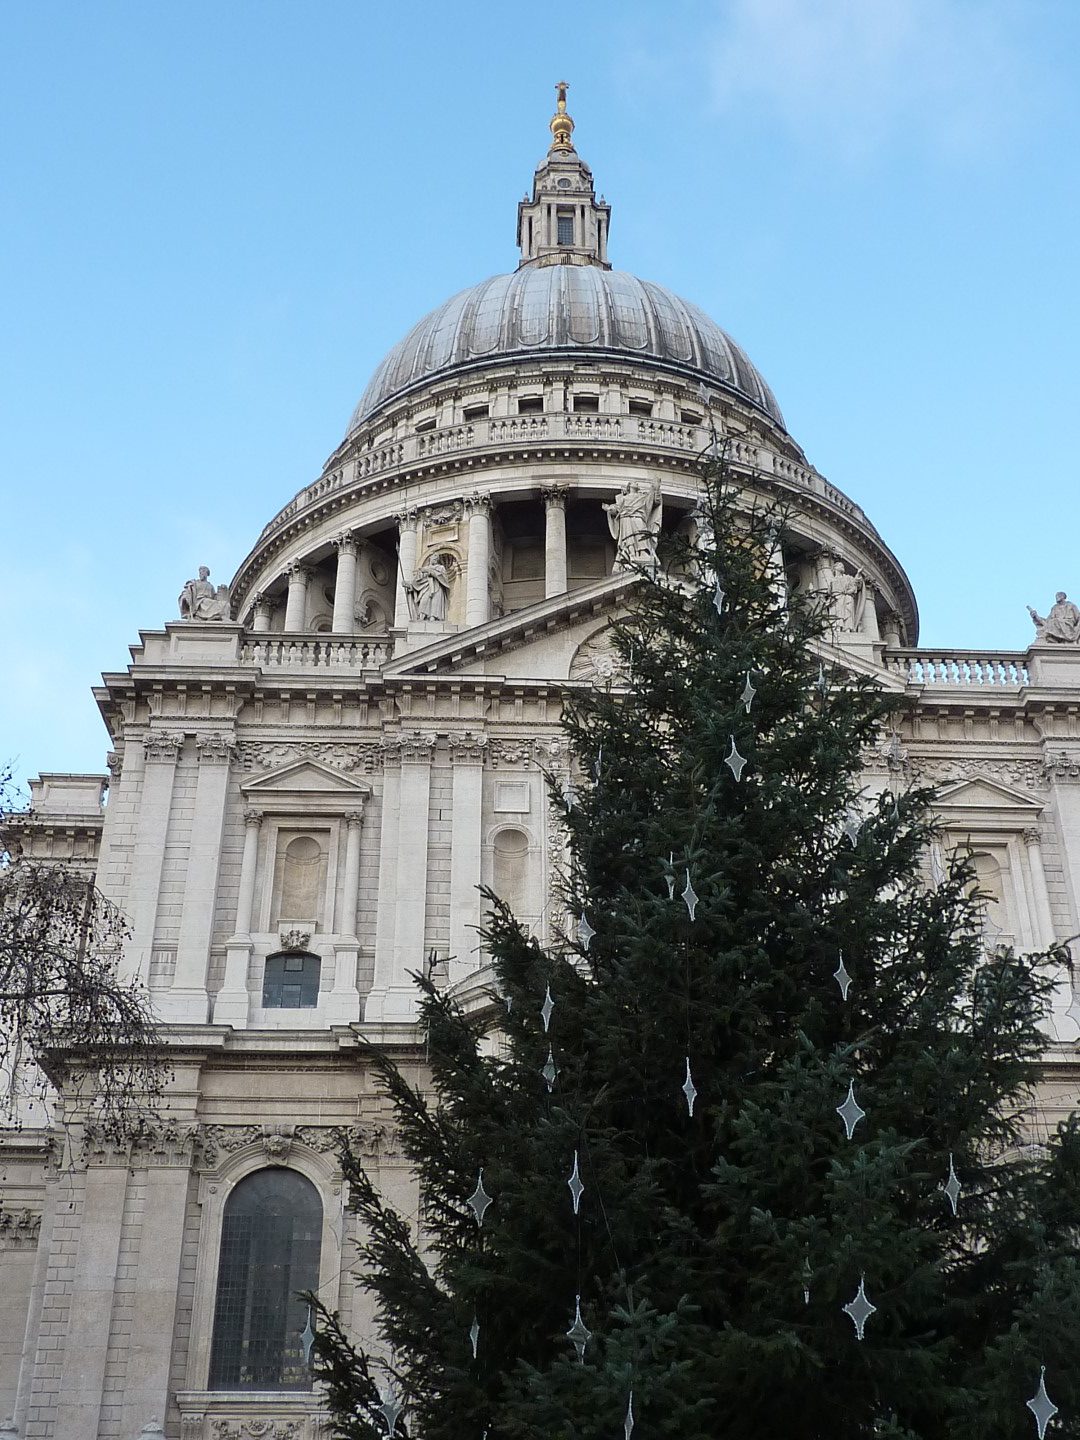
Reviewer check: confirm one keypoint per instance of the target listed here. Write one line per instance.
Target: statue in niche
(846, 591)
(634, 521)
(1061, 626)
(428, 591)
(200, 601)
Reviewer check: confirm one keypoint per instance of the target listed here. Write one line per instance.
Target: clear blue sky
(219, 214)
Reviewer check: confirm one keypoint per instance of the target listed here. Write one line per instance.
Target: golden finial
(562, 126)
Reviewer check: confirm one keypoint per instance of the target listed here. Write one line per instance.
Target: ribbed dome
(578, 310)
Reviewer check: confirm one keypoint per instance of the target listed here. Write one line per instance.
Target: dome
(569, 310)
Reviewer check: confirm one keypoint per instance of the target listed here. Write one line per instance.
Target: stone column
(343, 1003)
(478, 581)
(408, 521)
(296, 604)
(554, 540)
(400, 950)
(467, 756)
(233, 1000)
(1041, 921)
(344, 621)
(260, 614)
(186, 1002)
(161, 753)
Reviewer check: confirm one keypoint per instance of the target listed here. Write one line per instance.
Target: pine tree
(751, 940)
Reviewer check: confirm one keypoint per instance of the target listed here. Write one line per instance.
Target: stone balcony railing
(493, 432)
(315, 652)
(961, 669)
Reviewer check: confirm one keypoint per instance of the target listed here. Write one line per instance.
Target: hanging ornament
(585, 932)
(474, 1335)
(578, 1335)
(391, 1406)
(842, 978)
(719, 596)
(735, 762)
(547, 1009)
(570, 795)
(807, 1276)
(850, 1111)
(853, 823)
(479, 1200)
(991, 933)
(509, 1003)
(307, 1338)
(550, 1071)
(822, 684)
(952, 1187)
(599, 765)
(577, 1189)
(670, 877)
(1041, 1406)
(748, 693)
(860, 1309)
(690, 897)
(628, 1423)
(688, 1089)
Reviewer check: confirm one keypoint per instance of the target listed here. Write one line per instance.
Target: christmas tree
(756, 1155)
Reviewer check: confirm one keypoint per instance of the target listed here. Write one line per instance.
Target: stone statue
(1061, 626)
(847, 593)
(634, 522)
(429, 590)
(200, 601)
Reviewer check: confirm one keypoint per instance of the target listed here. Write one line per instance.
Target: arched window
(270, 1240)
(291, 982)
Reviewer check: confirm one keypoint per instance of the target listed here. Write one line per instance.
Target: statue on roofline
(1061, 626)
(199, 600)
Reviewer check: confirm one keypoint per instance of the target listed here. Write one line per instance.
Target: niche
(300, 876)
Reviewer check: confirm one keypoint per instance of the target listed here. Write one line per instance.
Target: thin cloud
(954, 76)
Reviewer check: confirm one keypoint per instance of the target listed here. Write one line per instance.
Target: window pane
(566, 229)
(270, 1241)
(291, 982)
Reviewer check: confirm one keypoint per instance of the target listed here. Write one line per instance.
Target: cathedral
(314, 767)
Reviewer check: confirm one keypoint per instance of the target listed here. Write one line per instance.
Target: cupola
(563, 223)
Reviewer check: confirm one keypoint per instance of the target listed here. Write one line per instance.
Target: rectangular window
(641, 407)
(475, 412)
(587, 404)
(689, 417)
(565, 220)
(530, 405)
(424, 425)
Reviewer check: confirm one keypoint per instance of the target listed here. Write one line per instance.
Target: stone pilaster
(161, 751)
(233, 1000)
(343, 1005)
(186, 1002)
(467, 754)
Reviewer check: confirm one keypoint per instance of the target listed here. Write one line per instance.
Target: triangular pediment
(979, 793)
(488, 649)
(307, 777)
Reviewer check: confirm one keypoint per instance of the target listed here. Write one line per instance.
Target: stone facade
(331, 772)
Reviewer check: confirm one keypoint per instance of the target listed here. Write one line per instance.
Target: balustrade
(315, 652)
(963, 669)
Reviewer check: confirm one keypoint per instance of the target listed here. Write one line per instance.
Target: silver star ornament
(735, 762)
(550, 1071)
(391, 1406)
(585, 932)
(578, 1335)
(474, 1335)
(307, 1339)
(689, 1090)
(851, 1112)
(748, 693)
(719, 596)
(577, 1189)
(547, 1009)
(1041, 1406)
(628, 1422)
(842, 978)
(952, 1187)
(690, 897)
(479, 1200)
(860, 1309)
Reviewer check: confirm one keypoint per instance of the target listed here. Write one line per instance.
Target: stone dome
(573, 310)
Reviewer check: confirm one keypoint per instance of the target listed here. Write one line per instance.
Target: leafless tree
(69, 1019)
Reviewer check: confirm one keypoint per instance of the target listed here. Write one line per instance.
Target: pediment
(307, 777)
(981, 794)
(539, 642)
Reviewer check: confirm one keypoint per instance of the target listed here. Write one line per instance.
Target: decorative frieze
(339, 755)
(19, 1229)
(1061, 767)
(941, 770)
